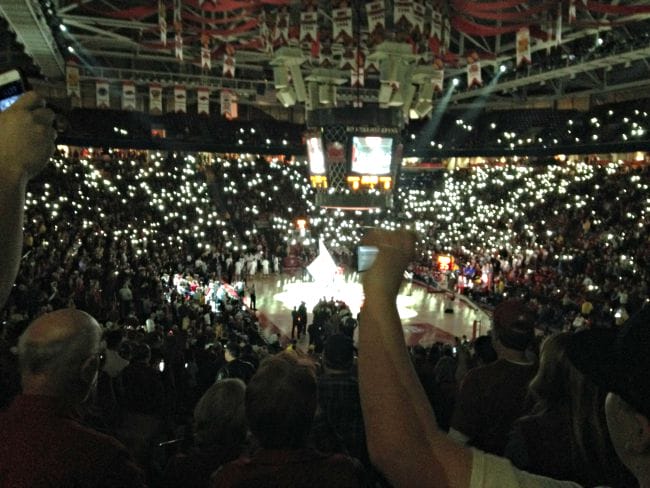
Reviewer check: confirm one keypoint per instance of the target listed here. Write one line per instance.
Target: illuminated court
(422, 313)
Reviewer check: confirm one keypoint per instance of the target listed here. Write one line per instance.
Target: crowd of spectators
(149, 246)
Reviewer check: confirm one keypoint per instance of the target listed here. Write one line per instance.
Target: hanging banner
(102, 93)
(446, 34)
(376, 16)
(436, 24)
(203, 101)
(155, 99)
(228, 104)
(73, 84)
(206, 61)
(572, 11)
(282, 28)
(357, 77)
(402, 11)
(180, 99)
(418, 15)
(474, 74)
(178, 46)
(342, 25)
(228, 66)
(128, 95)
(162, 21)
(308, 26)
(438, 80)
(523, 46)
(178, 16)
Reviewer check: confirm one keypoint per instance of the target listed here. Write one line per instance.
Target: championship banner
(162, 21)
(282, 28)
(180, 99)
(446, 34)
(228, 66)
(417, 19)
(342, 25)
(572, 11)
(376, 15)
(102, 92)
(206, 61)
(128, 95)
(155, 99)
(228, 104)
(308, 26)
(357, 77)
(523, 46)
(474, 74)
(178, 17)
(436, 24)
(178, 46)
(203, 101)
(403, 11)
(438, 80)
(73, 85)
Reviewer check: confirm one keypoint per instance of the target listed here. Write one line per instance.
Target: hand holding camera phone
(27, 129)
(11, 88)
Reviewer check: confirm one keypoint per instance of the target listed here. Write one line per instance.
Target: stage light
(455, 81)
(503, 68)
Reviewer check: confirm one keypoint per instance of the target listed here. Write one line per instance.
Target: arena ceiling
(576, 46)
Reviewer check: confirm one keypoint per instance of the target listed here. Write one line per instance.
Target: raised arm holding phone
(404, 441)
(26, 143)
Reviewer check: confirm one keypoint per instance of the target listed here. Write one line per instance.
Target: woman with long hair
(565, 436)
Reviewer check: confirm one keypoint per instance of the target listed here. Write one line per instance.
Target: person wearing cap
(403, 438)
(493, 396)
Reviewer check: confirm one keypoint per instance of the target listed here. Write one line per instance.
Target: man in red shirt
(42, 442)
(492, 397)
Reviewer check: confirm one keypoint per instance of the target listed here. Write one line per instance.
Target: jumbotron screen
(316, 155)
(371, 155)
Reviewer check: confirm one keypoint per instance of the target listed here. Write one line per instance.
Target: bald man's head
(57, 354)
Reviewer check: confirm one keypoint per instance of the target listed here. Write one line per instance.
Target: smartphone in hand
(11, 88)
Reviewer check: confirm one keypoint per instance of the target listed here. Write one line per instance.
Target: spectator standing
(492, 397)
(280, 406)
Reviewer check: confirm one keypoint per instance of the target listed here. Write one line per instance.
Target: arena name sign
(372, 130)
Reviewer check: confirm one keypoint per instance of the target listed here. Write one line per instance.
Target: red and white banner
(128, 95)
(376, 15)
(572, 11)
(162, 21)
(103, 94)
(523, 46)
(436, 24)
(228, 66)
(357, 77)
(446, 34)
(419, 13)
(72, 81)
(180, 99)
(308, 26)
(282, 28)
(474, 74)
(155, 99)
(403, 11)
(206, 60)
(342, 25)
(178, 46)
(229, 104)
(203, 101)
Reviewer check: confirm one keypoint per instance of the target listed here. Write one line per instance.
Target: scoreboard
(354, 156)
